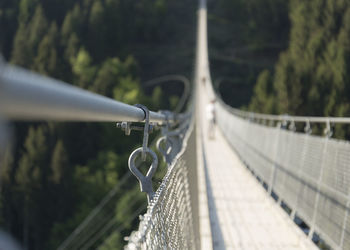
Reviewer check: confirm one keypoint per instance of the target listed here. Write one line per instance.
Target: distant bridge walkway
(242, 215)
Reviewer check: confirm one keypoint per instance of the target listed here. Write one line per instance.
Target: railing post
(312, 225)
(307, 130)
(344, 224)
(273, 173)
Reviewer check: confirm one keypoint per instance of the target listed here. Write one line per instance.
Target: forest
(283, 57)
(269, 56)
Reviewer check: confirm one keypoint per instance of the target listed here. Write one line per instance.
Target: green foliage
(113, 72)
(263, 94)
(46, 62)
(245, 37)
(311, 76)
(59, 163)
(83, 68)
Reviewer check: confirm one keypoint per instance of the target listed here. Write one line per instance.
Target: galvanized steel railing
(311, 174)
(25, 95)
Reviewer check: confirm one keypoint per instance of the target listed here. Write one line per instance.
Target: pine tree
(26, 10)
(83, 68)
(37, 27)
(72, 23)
(263, 97)
(46, 61)
(97, 29)
(110, 73)
(31, 178)
(59, 163)
(22, 52)
(28, 36)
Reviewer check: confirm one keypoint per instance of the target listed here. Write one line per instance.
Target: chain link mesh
(311, 174)
(171, 219)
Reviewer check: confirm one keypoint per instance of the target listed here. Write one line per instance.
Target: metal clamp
(284, 124)
(307, 128)
(145, 181)
(328, 132)
(128, 127)
(292, 126)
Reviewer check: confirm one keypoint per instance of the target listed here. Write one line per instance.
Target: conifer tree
(59, 163)
(97, 29)
(72, 23)
(37, 27)
(46, 61)
(28, 35)
(22, 52)
(31, 178)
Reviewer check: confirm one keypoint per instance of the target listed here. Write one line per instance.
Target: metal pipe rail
(289, 118)
(25, 95)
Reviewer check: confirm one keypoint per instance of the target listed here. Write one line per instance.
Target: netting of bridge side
(309, 173)
(171, 219)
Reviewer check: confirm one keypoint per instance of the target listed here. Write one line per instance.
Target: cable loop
(145, 181)
(165, 146)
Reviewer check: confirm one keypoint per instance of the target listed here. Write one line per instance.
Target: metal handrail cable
(25, 95)
(286, 117)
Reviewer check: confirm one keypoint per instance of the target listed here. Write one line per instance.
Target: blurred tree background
(283, 57)
(58, 172)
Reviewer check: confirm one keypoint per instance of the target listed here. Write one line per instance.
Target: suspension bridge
(241, 189)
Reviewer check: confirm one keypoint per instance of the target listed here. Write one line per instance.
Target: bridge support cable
(309, 173)
(186, 92)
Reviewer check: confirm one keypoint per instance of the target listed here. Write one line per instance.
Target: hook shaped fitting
(144, 180)
(165, 148)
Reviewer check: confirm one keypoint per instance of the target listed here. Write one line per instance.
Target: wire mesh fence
(309, 173)
(171, 221)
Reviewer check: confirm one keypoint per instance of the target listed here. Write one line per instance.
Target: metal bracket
(147, 128)
(128, 127)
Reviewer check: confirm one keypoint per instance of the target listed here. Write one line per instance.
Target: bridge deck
(242, 215)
